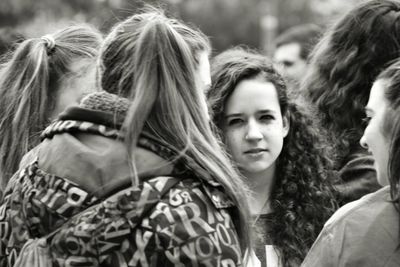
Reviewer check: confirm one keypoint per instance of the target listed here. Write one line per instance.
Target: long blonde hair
(28, 86)
(152, 59)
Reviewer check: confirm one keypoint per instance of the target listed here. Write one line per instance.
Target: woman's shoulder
(373, 211)
(36, 203)
(193, 199)
(362, 233)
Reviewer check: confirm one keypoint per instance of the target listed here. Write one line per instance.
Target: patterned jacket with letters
(78, 189)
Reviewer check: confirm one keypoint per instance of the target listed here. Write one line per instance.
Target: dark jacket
(357, 176)
(82, 163)
(361, 233)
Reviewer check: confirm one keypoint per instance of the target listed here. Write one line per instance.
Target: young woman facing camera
(277, 149)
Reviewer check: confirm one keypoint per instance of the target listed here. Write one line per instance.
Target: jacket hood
(85, 146)
(87, 154)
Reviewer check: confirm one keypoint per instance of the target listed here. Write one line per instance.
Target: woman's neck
(261, 185)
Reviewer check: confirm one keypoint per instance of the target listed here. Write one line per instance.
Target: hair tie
(49, 42)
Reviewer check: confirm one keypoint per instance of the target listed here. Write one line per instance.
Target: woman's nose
(363, 142)
(253, 132)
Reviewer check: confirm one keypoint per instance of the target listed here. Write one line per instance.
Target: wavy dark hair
(302, 198)
(344, 65)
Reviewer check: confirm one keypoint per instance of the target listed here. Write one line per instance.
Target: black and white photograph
(203, 133)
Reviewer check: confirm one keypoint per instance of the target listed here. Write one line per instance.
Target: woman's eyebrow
(266, 111)
(227, 116)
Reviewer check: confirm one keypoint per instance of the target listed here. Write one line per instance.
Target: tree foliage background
(228, 22)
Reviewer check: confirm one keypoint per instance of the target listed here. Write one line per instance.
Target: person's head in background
(9, 39)
(292, 51)
(43, 77)
(344, 65)
(117, 79)
(162, 65)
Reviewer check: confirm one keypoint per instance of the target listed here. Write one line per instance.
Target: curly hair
(302, 198)
(344, 65)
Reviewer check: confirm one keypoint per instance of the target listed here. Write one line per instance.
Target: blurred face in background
(374, 139)
(290, 64)
(254, 128)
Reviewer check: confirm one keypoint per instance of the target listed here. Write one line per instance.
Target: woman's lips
(255, 153)
(255, 150)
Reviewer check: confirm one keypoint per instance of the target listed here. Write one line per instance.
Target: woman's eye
(233, 122)
(366, 120)
(267, 117)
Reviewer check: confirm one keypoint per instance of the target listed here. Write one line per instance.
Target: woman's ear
(286, 125)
